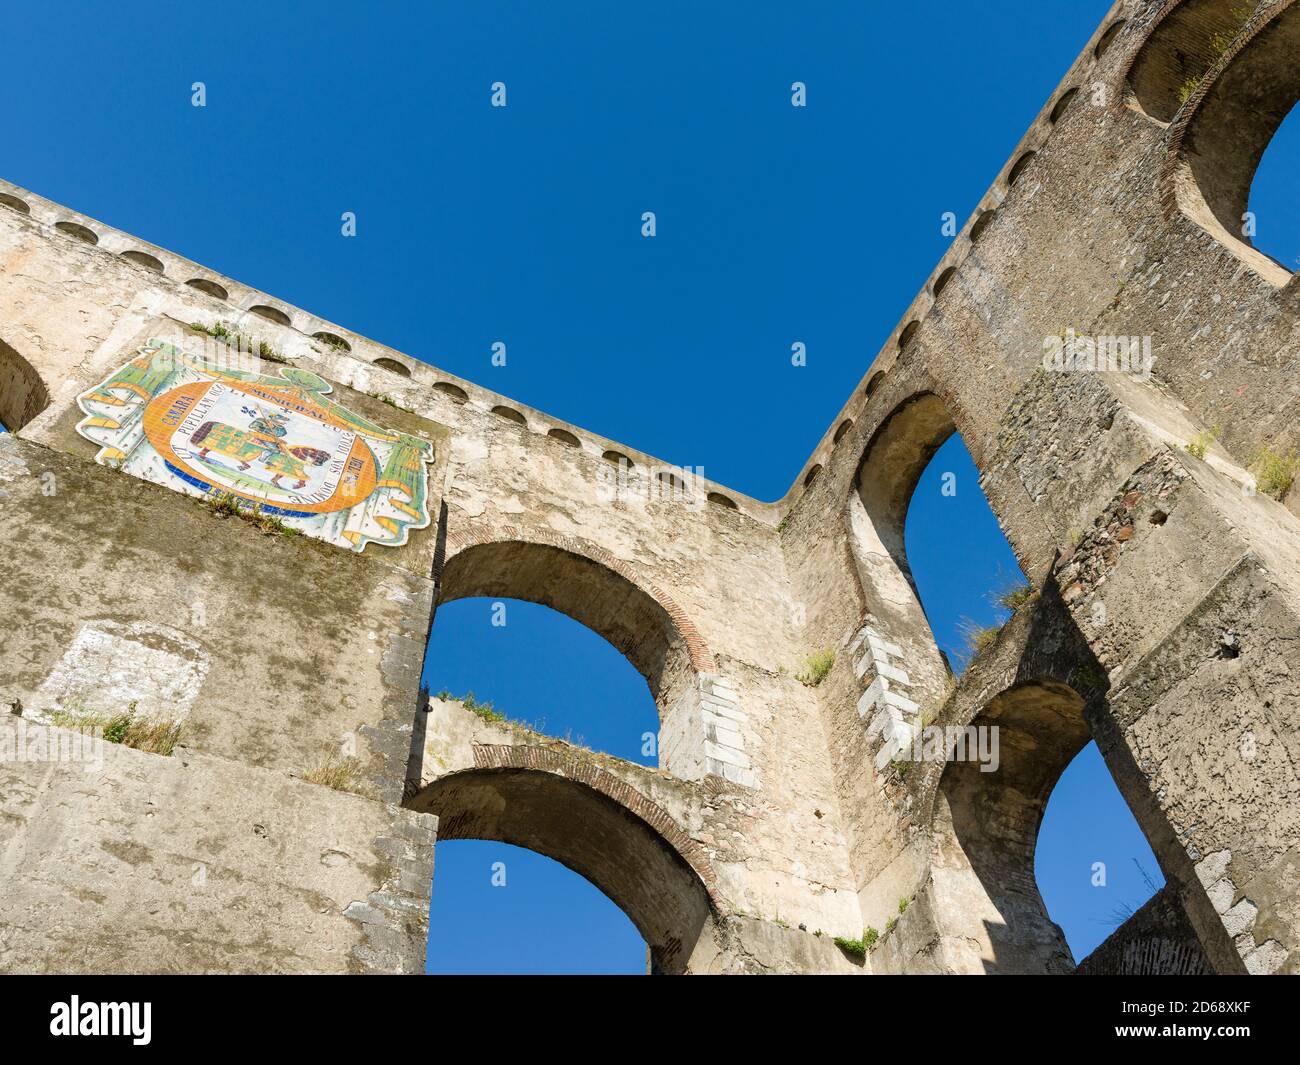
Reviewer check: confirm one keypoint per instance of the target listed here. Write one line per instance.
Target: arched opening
(564, 646)
(941, 282)
(886, 479)
(943, 570)
(962, 579)
(988, 824)
(14, 203)
(1093, 866)
(597, 596)
(23, 394)
(725, 502)
(530, 664)
(499, 909)
(1224, 140)
(602, 839)
(1180, 50)
(841, 429)
(564, 437)
(1273, 207)
(1005, 849)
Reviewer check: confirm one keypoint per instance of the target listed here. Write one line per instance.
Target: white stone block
(903, 703)
(1221, 894)
(885, 649)
(725, 754)
(893, 673)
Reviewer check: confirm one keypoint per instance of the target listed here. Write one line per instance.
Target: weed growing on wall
(126, 728)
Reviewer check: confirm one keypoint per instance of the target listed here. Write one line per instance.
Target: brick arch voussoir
(568, 765)
(1167, 189)
(696, 646)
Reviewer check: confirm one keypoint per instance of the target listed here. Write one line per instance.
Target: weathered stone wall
(784, 814)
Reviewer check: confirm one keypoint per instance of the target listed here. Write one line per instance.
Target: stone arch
(23, 394)
(594, 823)
(1185, 40)
(985, 824)
(595, 589)
(1223, 130)
(891, 466)
(986, 830)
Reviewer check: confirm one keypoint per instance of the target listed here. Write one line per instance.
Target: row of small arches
(615, 458)
(1014, 174)
(279, 317)
(201, 284)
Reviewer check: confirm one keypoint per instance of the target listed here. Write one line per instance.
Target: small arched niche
(392, 366)
(1062, 105)
(208, 288)
(453, 392)
(14, 203)
(564, 437)
(843, 428)
(1021, 165)
(332, 340)
(271, 314)
(23, 394)
(143, 258)
(77, 231)
(1108, 38)
(509, 414)
(981, 224)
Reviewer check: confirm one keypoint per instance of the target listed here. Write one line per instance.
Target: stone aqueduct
(1165, 626)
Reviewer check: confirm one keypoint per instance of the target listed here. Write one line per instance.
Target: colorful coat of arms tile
(277, 443)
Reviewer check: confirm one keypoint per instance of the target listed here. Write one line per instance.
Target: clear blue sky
(522, 225)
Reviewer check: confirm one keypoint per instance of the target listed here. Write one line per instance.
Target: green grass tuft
(815, 668)
(1016, 596)
(341, 774)
(1275, 472)
(126, 728)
